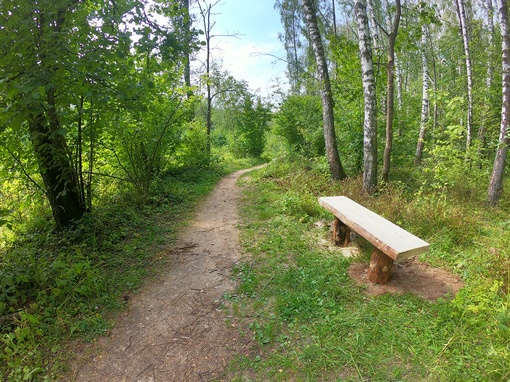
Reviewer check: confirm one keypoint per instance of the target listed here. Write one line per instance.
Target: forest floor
(177, 327)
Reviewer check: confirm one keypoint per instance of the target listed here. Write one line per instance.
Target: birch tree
(369, 98)
(373, 25)
(461, 13)
(291, 22)
(496, 183)
(489, 79)
(336, 170)
(205, 13)
(390, 92)
(425, 97)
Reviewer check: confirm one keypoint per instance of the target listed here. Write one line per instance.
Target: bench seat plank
(389, 238)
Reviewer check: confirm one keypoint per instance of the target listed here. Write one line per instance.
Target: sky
(250, 55)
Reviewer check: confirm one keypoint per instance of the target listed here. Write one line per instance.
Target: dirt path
(174, 329)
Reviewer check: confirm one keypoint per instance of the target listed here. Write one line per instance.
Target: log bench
(391, 243)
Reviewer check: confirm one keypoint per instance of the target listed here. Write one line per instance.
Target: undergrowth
(313, 323)
(56, 287)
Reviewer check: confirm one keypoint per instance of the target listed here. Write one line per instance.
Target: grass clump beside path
(56, 287)
(313, 323)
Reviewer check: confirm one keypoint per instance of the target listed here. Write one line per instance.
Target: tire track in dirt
(174, 329)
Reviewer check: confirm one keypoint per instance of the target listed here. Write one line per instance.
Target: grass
(58, 287)
(313, 323)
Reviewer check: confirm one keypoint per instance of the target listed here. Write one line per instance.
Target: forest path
(174, 328)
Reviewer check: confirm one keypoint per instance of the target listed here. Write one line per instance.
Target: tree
(240, 118)
(182, 25)
(390, 92)
(298, 122)
(369, 98)
(335, 165)
(206, 13)
(290, 15)
(461, 12)
(75, 83)
(252, 123)
(374, 26)
(489, 79)
(425, 97)
(496, 182)
(33, 69)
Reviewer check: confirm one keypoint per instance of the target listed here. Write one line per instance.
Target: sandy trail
(174, 329)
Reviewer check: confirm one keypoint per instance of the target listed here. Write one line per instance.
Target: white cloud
(254, 62)
(253, 56)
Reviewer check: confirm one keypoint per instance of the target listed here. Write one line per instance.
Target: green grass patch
(313, 323)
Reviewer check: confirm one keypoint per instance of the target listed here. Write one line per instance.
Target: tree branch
(18, 160)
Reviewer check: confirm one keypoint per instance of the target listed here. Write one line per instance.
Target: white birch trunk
(425, 97)
(369, 97)
(390, 92)
(398, 78)
(373, 25)
(336, 170)
(488, 81)
(490, 27)
(461, 12)
(496, 183)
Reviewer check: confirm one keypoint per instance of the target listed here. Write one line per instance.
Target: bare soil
(175, 328)
(410, 276)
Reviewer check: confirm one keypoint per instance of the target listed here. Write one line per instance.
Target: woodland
(112, 130)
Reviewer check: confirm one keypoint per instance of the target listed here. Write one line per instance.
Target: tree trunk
(187, 30)
(482, 149)
(390, 94)
(399, 83)
(425, 98)
(373, 25)
(335, 165)
(461, 12)
(334, 18)
(205, 12)
(496, 183)
(60, 177)
(55, 165)
(291, 21)
(369, 97)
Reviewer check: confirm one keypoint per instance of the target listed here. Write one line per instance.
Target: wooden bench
(391, 243)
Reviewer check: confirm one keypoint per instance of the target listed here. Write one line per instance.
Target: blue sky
(245, 57)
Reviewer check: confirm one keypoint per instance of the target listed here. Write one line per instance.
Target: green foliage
(239, 118)
(348, 92)
(252, 125)
(192, 150)
(81, 96)
(299, 122)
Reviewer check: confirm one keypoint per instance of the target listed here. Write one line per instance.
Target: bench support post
(341, 233)
(380, 267)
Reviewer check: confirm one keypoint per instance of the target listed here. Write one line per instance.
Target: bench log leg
(341, 233)
(380, 267)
